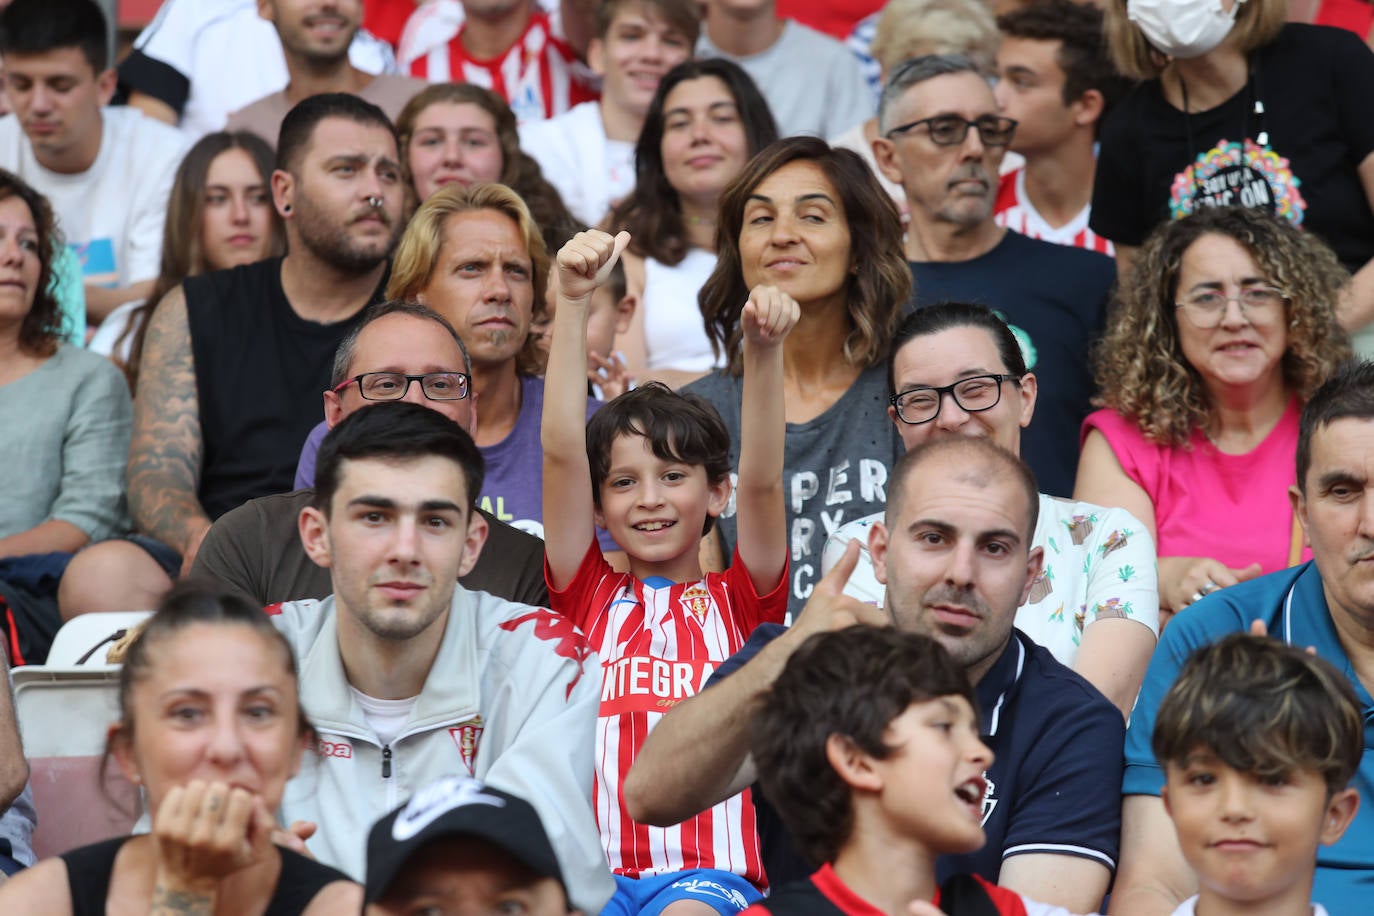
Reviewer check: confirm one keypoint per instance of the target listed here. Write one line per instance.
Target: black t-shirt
(89, 869)
(1055, 299)
(261, 370)
(1317, 88)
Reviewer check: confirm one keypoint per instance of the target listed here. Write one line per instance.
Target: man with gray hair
(942, 138)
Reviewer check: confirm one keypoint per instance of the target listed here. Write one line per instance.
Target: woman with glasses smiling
(1226, 325)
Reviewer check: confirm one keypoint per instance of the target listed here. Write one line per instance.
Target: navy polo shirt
(1054, 783)
(1292, 604)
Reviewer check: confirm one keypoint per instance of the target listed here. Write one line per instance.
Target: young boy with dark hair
(867, 745)
(652, 467)
(1258, 740)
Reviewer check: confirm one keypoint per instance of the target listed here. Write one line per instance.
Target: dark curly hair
(1140, 366)
(850, 683)
(42, 328)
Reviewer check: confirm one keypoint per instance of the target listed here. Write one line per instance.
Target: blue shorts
(165, 557)
(724, 891)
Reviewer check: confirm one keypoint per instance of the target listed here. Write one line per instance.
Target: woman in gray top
(814, 222)
(66, 418)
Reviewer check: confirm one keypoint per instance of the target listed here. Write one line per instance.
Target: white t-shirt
(112, 214)
(590, 171)
(1099, 564)
(674, 331)
(105, 337)
(813, 84)
(386, 718)
(222, 56)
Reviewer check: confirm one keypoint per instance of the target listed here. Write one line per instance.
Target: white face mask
(1183, 28)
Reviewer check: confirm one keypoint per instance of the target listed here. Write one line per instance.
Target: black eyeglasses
(922, 404)
(392, 386)
(951, 129)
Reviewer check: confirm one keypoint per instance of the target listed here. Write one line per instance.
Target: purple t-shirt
(513, 488)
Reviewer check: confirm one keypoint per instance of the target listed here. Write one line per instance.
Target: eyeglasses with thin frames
(1258, 305)
(951, 129)
(922, 403)
(392, 386)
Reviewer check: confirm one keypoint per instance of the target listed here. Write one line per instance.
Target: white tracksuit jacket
(512, 699)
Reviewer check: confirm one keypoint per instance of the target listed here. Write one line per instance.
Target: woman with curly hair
(66, 416)
(1225, 327)
(813, 222)
(458, 133)
(1235, 105)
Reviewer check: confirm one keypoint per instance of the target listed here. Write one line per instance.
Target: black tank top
(260, 372)
(89, 869)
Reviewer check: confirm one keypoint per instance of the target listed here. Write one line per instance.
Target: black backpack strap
(963, 895)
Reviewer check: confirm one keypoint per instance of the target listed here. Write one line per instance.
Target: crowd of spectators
(500, 404)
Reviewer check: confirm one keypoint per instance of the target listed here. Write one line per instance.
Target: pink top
(1232, 508)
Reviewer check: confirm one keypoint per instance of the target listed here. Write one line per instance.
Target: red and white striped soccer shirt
(658, 643)
(539, 75)
(1015, 211)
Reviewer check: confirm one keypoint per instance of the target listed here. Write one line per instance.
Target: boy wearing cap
(459, 843)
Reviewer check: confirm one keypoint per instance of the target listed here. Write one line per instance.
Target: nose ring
(374, 202)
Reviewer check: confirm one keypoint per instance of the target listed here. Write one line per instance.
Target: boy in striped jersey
(652, 467)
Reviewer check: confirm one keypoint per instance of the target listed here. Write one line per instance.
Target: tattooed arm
(165, 453)
(182, 903)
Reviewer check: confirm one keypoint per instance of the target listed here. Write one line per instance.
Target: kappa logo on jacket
(559, 630)
(340, 748)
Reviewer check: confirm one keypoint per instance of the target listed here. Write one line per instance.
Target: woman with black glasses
(1226, 326)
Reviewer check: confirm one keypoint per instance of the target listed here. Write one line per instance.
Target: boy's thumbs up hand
(587, 260)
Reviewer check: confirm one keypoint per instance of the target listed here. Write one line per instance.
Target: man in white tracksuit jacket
(510, 694)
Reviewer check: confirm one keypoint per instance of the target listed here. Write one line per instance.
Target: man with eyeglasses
(400, 352)
(957, 370)
(942, 138)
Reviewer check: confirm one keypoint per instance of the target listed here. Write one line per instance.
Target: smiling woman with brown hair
(815, 223)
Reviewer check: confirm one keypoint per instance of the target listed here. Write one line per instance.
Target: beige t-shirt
(387, 91)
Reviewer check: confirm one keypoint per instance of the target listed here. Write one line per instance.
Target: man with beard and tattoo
(235, 360)
(942, 138)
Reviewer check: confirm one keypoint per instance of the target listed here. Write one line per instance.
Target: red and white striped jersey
(539, 75)
(658, 642)
(1015, 211)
